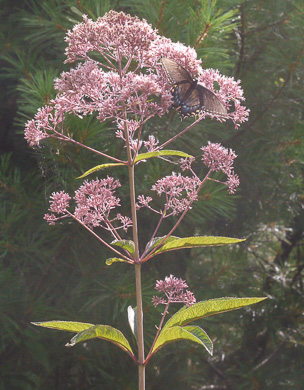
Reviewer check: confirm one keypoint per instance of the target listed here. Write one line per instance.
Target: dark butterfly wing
(188, 97)
(175, 72)
(210, 102)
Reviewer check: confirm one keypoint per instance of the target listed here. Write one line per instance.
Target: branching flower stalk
(145, 258)
(128, 87)
(173, 288)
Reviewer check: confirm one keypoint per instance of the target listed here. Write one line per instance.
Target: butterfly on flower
(189, 97)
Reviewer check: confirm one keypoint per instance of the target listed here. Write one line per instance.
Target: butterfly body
(190, 98)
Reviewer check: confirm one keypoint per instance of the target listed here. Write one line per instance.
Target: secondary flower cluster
(43, 126)
(128, 83)
(173, 288)
(94, 201)
(218, 158)
(181, 191)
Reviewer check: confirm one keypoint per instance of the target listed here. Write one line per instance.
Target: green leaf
(201, 335)
(112, 260)
(208, 308)
(145, 156)
(98, 168)
(132, 318)
(70, 326)
(177, 333)
(104, 332)
(157, 240)
(197, 241)
(128, 245)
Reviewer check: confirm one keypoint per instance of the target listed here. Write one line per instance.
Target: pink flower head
(59, 202)
(143, 201)
(130, 126)
(185, 163)
(94, 201)
(50, 219)
(125, 221)
(173, 288)
(42, 126)
(218, 158)
(180, 191)
(128, 83)
(232, 182)
(229, 93)
(115, 35)
(89, 89)
(151, 144)
(184, 55)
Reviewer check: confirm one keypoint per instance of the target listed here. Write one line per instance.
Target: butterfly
(190, 98)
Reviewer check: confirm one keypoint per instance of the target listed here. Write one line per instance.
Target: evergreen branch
(274, 98)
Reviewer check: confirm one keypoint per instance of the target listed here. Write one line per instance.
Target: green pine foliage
(60, 272)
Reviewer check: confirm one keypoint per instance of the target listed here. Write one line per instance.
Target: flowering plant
(128, 86)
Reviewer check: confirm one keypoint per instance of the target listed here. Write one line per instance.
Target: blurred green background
(60, 273)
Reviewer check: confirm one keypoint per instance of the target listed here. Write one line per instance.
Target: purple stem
(179, 134)
(158, 331)
(100, 239)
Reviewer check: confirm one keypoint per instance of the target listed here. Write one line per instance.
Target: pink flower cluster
(89, 89)
(180, 192)
(59, 202)
(173, 288)
(151, 144)
(131, 127)
(44, 125)
(128, 83)
(94, 201)
(229, 92)
(218, 158)
(114, 36)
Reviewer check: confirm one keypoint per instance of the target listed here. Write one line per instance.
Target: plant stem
(158, 330)
(140, 330)
(99, 238)
(179, 134)
(140, 327)
(66, 138)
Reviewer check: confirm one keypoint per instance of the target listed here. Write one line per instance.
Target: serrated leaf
(69, 326)
(146, 156)
(132, 318)
(104, 332)
(112, 260)
(208, 308)
(128, 245)
(177, 333)
(197, 241)
(157, 240)
(98, 168)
